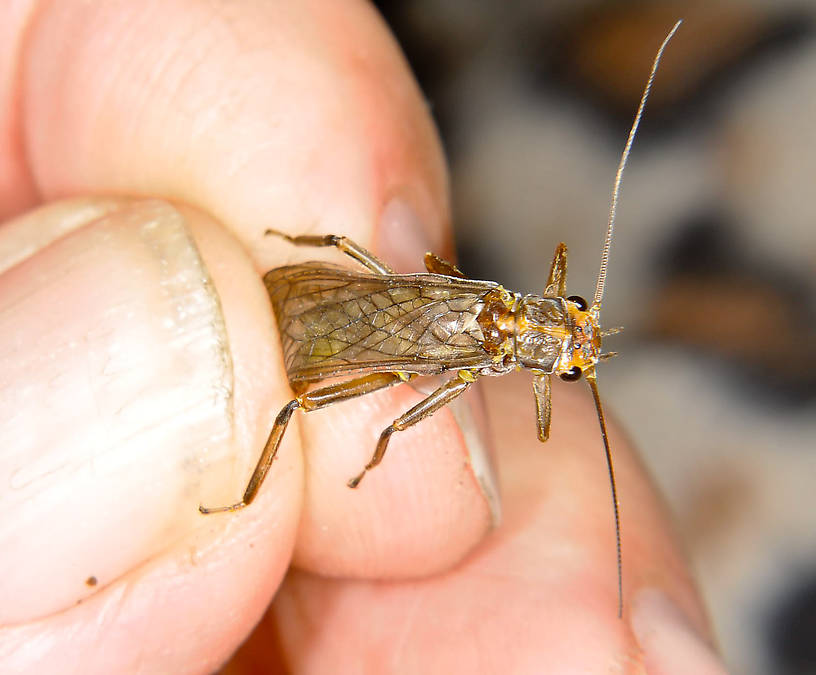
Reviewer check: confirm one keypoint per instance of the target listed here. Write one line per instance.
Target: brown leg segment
(363, 256)
(541, 389)
(557, 279)
(436, 265)
(314, 400)
(425, 408)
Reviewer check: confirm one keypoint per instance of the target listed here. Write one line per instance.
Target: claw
(354, 482)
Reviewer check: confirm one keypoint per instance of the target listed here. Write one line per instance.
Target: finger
(542, 589)
(264, 114)
(270, 114)
(301, 129)
(126, 389)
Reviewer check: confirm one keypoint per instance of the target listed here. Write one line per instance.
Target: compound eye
(578, 300)
(572, 374)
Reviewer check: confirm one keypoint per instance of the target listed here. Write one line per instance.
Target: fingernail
(670, 642)
(402, 239)
(470, 415)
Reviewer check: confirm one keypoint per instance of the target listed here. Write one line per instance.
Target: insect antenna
(593, 385)
(599, 286)
(599, 291)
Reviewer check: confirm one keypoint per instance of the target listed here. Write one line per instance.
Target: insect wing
(334, 321)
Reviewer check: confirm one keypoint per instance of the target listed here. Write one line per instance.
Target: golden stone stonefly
(383, 328)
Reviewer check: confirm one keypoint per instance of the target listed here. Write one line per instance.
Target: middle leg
(425, 408)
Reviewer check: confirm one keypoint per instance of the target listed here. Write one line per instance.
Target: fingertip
(341, 132)
(132, 389)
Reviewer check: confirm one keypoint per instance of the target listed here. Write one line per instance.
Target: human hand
(132, 391)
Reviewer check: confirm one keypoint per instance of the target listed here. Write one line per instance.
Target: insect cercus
(383, 328)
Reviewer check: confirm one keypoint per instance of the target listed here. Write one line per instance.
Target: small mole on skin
(91, 581)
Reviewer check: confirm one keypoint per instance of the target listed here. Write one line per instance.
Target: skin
(302, 116)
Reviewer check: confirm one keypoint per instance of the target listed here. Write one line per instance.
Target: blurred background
(712, 268)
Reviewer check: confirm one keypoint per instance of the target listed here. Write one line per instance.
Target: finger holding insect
(264, 115)
(367, 166)
(375, 169)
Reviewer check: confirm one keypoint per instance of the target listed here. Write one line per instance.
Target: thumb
(127, 394)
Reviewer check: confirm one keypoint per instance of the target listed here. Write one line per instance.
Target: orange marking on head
(584, 348)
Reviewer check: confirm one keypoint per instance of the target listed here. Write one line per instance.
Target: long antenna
(593, 385)
(599, 287)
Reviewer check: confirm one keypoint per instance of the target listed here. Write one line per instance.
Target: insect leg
(425, 408)
(541, 389)
(313, 400)
(363, 256)
(557, 280)
(436, 265)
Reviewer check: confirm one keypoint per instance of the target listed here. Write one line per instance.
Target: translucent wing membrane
(334, 321)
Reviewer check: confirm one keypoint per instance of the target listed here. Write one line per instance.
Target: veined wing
(334, 321)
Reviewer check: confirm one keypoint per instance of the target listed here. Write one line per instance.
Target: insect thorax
(541, 333)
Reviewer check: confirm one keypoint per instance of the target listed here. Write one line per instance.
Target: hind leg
(425, 408)
(313, 400)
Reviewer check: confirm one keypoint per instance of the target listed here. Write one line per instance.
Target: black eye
(578, 300)
(571, 375)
